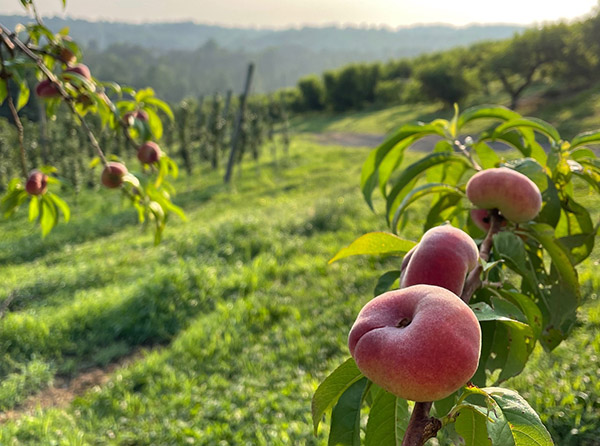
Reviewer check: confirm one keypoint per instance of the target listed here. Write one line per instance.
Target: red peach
(149, 152)
(47, 89)
(80, 69)
(421, 343)
(112, 175)
(443, 257)
(481, 218)
(516, 197)
(37, 183)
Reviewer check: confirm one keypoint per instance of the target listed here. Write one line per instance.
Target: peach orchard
(494, 273)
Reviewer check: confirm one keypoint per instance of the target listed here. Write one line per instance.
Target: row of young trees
(199, 135)
(560, 53)
(78, 121)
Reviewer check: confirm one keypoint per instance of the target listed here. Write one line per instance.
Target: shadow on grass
(81, 230)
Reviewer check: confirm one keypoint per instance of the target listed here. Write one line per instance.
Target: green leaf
(60, 204)
(471, 425)
(576, 230)
(421, 191)
(529, 308)
(488, 158)
(345, 417)
(404, 183)
(375, 243)
(512, 345)
(156, 127)
(385, 282)
(510, 248)
(591, 137)
(523, 422)
(442, 210)
(34, 208)
(23, 95)
(161, 105)
(3, 90)
(14, 197)
(391, 161)
(388, 419)
(144, 94)
(531, 123)
(436, 174)
(560, 258)
(332, 388)
(486, 112)
(48, 216)
(500, 311)
(370, 170)
(583, 152)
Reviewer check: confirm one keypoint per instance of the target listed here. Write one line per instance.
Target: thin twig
(473, 282)
(463, 149)
(19, 126)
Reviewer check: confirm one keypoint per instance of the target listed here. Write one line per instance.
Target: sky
(295, 13)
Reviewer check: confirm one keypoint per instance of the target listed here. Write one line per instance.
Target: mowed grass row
(247, 312)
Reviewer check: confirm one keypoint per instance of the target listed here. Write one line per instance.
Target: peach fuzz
(516, 197)
(443, 257)
(420, 343)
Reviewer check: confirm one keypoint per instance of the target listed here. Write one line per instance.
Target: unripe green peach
(443, 257)
(112, 175)
(421, 343)
(516, 197)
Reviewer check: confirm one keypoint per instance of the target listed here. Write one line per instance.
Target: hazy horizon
(281, 14)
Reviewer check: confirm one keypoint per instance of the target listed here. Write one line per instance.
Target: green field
(231, 322)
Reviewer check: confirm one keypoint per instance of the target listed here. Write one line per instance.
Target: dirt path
(370, 140)
(347, 139)
(65, 390)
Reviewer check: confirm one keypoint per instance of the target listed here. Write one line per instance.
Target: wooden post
(238, 124)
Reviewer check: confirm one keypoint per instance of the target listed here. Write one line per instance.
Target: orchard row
(200, 135)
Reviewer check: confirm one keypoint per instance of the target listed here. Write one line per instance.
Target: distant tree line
(560, 56)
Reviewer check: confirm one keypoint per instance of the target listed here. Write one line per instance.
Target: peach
(481, 218)
(80, 69)
(67, 56)
(37, 183)
(112, 175)
(443, 257)
(149, 152)
(516, 197)
(129, 117)
(47, 89)
(420, 343)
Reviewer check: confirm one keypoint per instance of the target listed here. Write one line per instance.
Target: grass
(239, 313)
